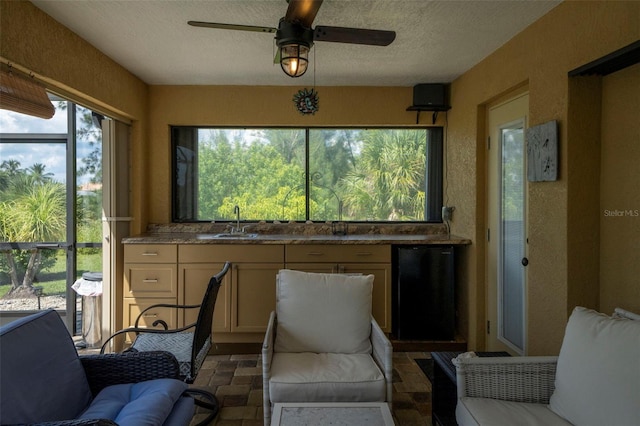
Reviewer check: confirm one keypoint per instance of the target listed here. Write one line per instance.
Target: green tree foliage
(388, 181)
(89, 203)
(32, 209)
(376, 174)
(33, 206)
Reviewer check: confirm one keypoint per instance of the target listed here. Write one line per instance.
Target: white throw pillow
(598, 373)
(323, 312)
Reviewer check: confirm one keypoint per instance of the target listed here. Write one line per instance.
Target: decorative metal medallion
(306, 101)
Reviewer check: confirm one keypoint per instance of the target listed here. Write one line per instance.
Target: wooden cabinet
(350, 259)
(150, 277)
(180, 273)
(247, 295)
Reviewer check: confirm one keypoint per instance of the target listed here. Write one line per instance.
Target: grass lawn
(53, 281)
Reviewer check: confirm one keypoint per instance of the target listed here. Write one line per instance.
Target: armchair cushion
(487, 411)
(180, 344)
(598, 373)
(128, 404)
(317, 314)
(325, 377)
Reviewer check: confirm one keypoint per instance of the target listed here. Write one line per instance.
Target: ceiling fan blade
(354, 35)
(276, 59)
(232, 27)
(302, 12)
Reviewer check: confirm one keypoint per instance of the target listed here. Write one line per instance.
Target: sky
(52, 155)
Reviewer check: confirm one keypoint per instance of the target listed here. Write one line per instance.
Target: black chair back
(205, 317)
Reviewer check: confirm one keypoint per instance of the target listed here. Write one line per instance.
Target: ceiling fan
(295, 36)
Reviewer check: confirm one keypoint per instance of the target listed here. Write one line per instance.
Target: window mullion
(307, 174)
(71, 215)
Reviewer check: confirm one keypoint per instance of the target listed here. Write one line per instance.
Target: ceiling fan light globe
(294, 59)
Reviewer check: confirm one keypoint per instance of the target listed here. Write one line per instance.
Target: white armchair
(594, 381)
(322, 344)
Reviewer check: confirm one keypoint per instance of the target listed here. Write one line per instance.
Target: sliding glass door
(50, 208)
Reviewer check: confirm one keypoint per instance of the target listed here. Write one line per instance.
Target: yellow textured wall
(570, 35)
(583, 176)
(619, 212)
(31, 39)
(260, 106)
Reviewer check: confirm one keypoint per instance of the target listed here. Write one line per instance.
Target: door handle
(48, 246)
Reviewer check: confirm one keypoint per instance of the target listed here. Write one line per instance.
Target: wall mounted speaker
(430, 94)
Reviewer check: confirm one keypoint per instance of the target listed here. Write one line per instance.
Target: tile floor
(237, 382)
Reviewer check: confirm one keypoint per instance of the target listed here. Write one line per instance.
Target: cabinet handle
(315, 253)
(150, 315)
(150, 253)
(150, 280)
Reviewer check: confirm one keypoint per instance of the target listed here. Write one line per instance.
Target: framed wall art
(542, 152)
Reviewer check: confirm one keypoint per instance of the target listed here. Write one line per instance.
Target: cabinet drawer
(338, 253)
(214, 253)
(150, 253)
(143, 280)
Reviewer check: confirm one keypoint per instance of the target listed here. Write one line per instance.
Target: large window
(298, 174)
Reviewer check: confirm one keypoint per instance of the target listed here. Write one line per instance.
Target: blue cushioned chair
(43, 380)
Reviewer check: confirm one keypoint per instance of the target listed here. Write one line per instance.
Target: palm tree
(388, 180)
(34, 212)
(8, 169)
(38, 173)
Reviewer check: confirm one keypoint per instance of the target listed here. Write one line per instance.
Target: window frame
(434, 170)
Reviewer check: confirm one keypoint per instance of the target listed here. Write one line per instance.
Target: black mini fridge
(423, 293)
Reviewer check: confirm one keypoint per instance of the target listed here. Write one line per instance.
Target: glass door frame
(71, 245)
(500, 114)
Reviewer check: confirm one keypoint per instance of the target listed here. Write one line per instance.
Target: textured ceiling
(436, 41)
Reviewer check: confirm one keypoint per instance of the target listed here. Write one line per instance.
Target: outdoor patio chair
(189, 347)
(322, 344)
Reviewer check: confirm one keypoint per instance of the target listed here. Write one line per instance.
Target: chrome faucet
(236, 211)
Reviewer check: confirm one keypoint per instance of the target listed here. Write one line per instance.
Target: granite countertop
(298, 234)
(195, 238)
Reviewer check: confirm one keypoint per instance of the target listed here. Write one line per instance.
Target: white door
(507, 226)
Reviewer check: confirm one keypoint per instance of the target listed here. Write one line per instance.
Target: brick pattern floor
(236, 381)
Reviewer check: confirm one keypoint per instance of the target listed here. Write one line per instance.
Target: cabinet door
(253, 296)
(193, 283)
(381, 303)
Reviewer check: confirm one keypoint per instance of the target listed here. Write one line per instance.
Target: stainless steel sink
(235, 235)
